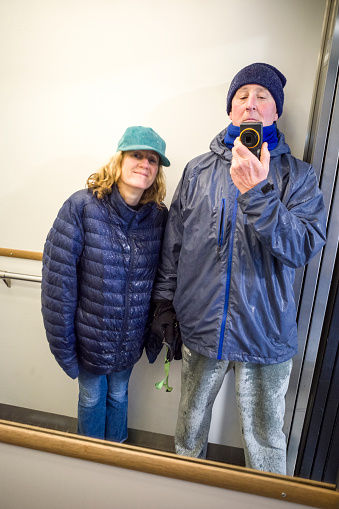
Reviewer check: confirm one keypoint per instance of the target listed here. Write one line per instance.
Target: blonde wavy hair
(102, 181)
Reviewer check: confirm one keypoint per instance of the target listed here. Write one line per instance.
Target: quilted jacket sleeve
(62, 250)
(294, 229)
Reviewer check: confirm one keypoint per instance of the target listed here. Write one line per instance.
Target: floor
(158, 441)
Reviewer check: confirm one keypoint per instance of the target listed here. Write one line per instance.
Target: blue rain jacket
(228, 260)
(99, 264)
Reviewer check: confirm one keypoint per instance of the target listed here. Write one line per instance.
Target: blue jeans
(103, 405)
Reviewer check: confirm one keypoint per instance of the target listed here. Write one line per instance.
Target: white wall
(75, 74)
(39, 480)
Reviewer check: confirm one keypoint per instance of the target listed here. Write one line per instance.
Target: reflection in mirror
(33, 407)
(32, 380)
(33, 415)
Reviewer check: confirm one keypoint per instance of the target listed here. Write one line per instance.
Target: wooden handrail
(288, 489)
(19, 253)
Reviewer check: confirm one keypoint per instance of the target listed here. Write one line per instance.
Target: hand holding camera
(251, 135)
(251, 158)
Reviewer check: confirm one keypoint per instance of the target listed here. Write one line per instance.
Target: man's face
(253, 103)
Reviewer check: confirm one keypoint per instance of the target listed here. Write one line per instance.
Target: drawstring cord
(164, 381)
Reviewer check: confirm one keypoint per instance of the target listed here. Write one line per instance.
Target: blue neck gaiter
(269, 135)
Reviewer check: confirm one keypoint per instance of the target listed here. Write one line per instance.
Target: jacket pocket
(221, 226)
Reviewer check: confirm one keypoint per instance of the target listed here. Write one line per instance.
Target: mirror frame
(220, 475)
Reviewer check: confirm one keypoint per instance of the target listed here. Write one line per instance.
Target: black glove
(153, 347)
(165, 329)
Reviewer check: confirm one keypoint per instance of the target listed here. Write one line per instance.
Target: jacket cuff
(262, 189)
(256, 197)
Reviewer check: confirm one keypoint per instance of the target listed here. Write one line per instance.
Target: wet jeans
(260, 392)
(103, 405)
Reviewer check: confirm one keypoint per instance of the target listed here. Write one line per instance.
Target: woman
(99, 263)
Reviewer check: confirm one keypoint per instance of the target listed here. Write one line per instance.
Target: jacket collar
(218, 146)
(126, 212)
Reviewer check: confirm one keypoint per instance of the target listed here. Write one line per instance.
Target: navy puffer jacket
(228, 260)
(99, 263)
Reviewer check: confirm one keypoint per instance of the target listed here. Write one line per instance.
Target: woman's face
(138, 171)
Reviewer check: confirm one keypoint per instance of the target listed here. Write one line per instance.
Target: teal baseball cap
(143, 138)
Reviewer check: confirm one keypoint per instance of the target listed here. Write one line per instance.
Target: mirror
(80, 92)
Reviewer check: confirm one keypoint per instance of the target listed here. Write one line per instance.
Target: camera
(251, 134)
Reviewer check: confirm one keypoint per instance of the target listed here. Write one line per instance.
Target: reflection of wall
(52, 481)
(74, 76)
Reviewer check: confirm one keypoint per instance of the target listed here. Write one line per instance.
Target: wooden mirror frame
(220, 475)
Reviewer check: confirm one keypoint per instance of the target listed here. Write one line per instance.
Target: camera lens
(249, 138)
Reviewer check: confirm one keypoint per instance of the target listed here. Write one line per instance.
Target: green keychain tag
(164, 382)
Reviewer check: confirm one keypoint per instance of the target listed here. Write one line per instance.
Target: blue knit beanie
(259, 74)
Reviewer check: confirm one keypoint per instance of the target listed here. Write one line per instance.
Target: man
(238, 228)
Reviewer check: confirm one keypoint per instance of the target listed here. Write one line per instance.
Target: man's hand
(246, 169)
(165, 329)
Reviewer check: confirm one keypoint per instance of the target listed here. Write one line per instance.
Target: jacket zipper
(228, 277)
(130, 269)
